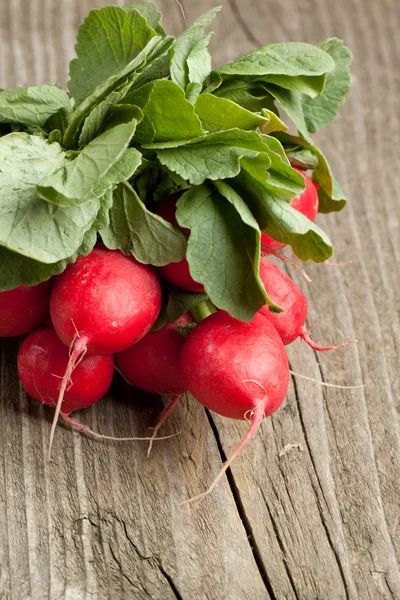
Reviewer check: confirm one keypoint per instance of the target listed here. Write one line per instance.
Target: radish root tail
(325, 384)
(267, 250)
(305, 335)
(98, 436)
(78, 351)
(328, 263)
(163, 417)
(258, 415)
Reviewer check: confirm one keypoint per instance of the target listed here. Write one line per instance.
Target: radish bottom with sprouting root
(42, 362)
(236, 369)
(290, 324)
(102, 304)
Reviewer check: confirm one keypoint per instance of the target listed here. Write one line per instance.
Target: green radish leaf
(331, 197)
(156, 67)
(219, 114)
(193, 91)
(95, 121)
(90, 117)
(122, 113)
(135, 230)
(34, 106)
(292, 105)
(28, 224)
(223, 248)
(168, 115)
(55, 136)
(249, 95)
(199, 61)
(182, 56)
(281, 222)
(292, 58)
(118, 85)
(181, 302)
(74, 184)
(274, 123)
(108, 40)
(150, 12)
(302, 84)
(16, 269)
(279, 177)
(198, 162)
(302, 157)
(214, 156)
(320, 111)
(122, 171)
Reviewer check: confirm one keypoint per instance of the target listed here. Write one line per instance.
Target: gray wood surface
(311, 509)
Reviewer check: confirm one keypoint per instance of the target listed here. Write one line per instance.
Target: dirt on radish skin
(236, 369)
(307, 203)
(290, 324)
(24, 308)
(42, 361)
(177, 273)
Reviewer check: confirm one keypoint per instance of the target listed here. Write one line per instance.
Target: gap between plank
(242, 513)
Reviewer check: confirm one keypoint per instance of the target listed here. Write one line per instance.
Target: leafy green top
(146, 117)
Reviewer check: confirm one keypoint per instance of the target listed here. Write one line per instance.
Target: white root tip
(333, 385)
(163, 417)
(77, 350)
(98, 436)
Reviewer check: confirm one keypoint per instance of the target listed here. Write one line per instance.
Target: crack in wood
(281, 546)
(327, 533)
(242, 513)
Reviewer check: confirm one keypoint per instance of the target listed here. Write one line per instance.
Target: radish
(24, 308)
(177, 273)
(239, 370)
(154, 365)
(102, 304)
(307, 203)
(42, 361)
(284, 292)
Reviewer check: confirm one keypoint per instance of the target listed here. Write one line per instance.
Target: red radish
(24, 308)
(238, 370)
(102, 304)
(154, 364)
(177, 273)
(109, 299)
(42, 360)
(284, 292)
(307, 203)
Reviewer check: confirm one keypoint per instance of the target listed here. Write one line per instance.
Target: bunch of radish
(102, 310)
(139, 212)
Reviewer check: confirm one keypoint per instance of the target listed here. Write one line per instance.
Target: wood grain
(311, 509)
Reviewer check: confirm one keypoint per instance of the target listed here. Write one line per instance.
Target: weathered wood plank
(320, 520)
(350, 439)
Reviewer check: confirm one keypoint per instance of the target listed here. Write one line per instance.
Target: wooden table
(311, 509)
